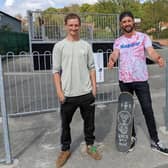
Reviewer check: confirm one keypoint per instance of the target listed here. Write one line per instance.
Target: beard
(128, 29)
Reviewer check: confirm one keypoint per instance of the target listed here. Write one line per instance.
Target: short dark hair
(72, 16)
(124, 14)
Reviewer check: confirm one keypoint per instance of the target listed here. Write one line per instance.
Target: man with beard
(133, 74)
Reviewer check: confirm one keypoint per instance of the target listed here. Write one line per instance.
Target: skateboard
(124, 121)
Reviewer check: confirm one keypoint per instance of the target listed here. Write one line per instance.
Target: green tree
(155, 12)
(85, 8)
(106, 6)
(50, 10)
(73, 8)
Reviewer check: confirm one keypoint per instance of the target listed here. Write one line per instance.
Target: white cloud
(68, 2)
(9, 2)
(51, 2)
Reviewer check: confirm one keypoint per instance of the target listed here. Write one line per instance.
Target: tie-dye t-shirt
(132, 59)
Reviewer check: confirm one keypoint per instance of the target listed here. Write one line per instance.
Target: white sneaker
(158, 147)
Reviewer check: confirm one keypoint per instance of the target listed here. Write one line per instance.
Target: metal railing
(29, 84)
(26, 91)
(47, 26)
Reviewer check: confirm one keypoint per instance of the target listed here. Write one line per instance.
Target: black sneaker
(158, 147)
(133, 142)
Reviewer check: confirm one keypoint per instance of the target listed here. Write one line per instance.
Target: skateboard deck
(124, 121)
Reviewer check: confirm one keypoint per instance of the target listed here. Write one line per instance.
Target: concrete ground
(35, 139)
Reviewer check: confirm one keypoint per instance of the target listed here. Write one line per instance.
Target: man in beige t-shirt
(75, 81)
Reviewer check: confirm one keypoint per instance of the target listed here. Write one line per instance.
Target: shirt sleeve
(116, 44)
(91, 64)
(56, 59)
(147, 41)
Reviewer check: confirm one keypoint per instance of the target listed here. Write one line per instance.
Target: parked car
(156, 45)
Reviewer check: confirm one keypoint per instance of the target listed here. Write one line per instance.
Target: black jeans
(87, 110)
(142, 91)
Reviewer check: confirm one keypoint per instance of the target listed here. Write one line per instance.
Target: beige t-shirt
(74, 59)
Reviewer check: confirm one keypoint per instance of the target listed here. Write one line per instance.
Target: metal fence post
(166, 110)
(118, 26)
(30, 27)
(6, 138)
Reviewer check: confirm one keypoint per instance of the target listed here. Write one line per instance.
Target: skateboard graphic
(124, 121)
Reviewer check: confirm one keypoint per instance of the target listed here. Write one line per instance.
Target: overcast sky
(13, 7)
